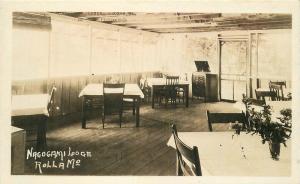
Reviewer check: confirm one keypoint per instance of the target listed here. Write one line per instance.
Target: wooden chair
(169, 92)
(113, 100)
(277, 89)
(280, 83)
(181, 91)
(198, 86)
(225, 118)
(129, 103)
(143, 84)
(188, 162)
(264, 94)
(172, 80)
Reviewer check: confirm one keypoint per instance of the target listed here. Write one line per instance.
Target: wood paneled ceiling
(188, 22)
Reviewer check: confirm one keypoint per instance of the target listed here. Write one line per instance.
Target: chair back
(263, 94)
(50, 104)
(277, 89)
(113, 97)
(280, 83)
(218, 117)
(170, 89)
(172, 80)
(188, 162)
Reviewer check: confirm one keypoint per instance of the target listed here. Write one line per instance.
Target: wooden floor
(127, 150)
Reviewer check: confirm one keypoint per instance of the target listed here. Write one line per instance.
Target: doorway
(233, 68)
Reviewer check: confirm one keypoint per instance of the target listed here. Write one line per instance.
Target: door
(233, 69)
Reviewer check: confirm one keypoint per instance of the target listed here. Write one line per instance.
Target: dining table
(158, 83)
(95, 90)
(32, 109)
(275, 107)
(229, 154)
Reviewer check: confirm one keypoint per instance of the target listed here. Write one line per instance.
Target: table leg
(187, 95)
(152, 96)
(83, 118)
(41, 133)
(133, 107)
(137, 113)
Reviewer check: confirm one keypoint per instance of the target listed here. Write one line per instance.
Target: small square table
(96, 90)
(158, 83)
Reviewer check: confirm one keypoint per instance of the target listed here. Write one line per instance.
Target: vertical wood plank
(65, 96)
(68, 88)
(74, 94)
(58, 96)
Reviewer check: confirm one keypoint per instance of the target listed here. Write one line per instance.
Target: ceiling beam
(194, 20)
(182, 25)
(159, 22)
(191, 21)
(224, 21)
(224, 28)
(186, 25)
(156, 20)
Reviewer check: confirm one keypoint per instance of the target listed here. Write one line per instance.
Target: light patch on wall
(30, 53)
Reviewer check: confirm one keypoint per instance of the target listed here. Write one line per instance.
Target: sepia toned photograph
(151, 94)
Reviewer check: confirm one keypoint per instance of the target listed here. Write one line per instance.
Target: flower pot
(274, 150)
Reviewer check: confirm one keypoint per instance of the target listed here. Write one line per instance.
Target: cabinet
(205, 85)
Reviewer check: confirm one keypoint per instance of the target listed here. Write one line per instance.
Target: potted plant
(272, 131)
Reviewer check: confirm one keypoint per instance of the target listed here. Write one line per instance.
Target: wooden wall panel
(58, 96)
(68, 88)
(65, 96)
(82, 82)
(74, 100)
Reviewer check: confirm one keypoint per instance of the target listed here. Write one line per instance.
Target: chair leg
(166, 101)
(159, 98)
(103, 119)
(174, 101)
(133, 107)
(178, 169)
(120, 119)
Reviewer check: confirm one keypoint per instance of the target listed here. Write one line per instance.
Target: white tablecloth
(243, 155)
(276, 107)
(97, 89)
(29, 104)
(15, 129)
